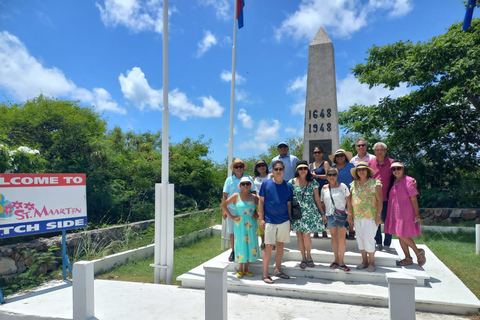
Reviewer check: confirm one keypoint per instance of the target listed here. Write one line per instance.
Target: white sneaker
(371, 268)
(362, 266)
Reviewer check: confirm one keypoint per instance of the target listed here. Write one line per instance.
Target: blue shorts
(331, 223)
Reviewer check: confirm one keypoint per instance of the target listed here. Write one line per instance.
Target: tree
(435, 127)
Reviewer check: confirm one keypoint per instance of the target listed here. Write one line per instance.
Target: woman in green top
(305, 192)
(367, 202)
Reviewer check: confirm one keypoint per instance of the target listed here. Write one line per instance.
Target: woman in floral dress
(305, 192)
(246, 237)
(367, 202)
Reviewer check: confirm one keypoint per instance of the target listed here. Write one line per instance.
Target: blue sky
(108, 54)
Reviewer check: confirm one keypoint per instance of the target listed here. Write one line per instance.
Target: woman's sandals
(421, 258)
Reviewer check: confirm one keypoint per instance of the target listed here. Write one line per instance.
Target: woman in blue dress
(246, 236)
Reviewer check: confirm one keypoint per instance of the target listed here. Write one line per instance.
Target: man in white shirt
(362, 154)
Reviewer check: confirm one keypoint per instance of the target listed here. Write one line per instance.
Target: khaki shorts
(277, 232)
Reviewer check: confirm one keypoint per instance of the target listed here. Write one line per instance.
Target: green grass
(457, 252)
(185, 259)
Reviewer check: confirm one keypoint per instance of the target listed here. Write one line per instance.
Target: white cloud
(135, 15)
(340, 17)
(295, 132)
(206, 43)
(298, 87)
(25, 77)
(222, 8)
(350, 91)
(246, 120)
(267, 130)
(135, 88)
(227, 77)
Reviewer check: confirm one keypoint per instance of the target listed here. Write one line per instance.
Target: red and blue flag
(240, 5)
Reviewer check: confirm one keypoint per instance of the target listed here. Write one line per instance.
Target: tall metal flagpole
(225, 241)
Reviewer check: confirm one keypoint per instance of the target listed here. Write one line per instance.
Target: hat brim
(233, 164)
(353, 171)
(348, 154)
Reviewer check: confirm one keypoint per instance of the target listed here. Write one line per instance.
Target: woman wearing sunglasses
(318, 169)
(245, 229)
(305, 193)
(403, 217)
(260, 175)
(336, 203)
(367, 202)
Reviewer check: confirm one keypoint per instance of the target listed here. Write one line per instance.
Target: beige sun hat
(237, 161)
(361, 165)
(348, 154)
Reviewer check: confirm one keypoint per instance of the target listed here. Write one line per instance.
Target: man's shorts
(277, 232)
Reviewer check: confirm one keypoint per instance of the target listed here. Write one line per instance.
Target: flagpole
(225, 241)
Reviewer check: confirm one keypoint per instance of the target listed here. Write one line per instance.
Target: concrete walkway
(117, 300)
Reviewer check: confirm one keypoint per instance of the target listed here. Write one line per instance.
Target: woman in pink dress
(403, 218)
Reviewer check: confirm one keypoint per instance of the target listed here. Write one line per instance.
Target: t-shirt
(258, 182)
(338, 194)
(364, 201)
(382, 173)
(276, 197)
(344, 174)
(231, 187)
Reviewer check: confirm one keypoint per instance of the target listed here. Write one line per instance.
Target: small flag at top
(240, 5)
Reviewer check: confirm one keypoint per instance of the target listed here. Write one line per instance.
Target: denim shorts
(335, 223)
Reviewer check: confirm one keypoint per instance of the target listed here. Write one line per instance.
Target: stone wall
(448, 215)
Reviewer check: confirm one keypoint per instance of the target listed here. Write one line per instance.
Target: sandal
(310, 263)
(267, 279)
(334, 265)
(281, 275)
(405, 262)
(344, 268)
(303, 264)
(421, 258)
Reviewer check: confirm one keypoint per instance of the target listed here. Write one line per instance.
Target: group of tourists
(354, 194)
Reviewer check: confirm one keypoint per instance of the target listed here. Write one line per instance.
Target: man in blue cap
(290, 161)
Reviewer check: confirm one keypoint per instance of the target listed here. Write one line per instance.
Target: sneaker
(379, 247)
(387, 249)
(239, 274)
(247, 273)
(371, 268)
(232, 256)
(362, 266)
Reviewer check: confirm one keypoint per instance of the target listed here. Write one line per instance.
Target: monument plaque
(321, 115)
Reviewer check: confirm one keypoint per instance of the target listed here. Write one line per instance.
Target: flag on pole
(468, 14)
(240, 5)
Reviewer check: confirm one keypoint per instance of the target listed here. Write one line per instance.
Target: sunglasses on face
(340, 156)
(361, 145)
(396, 169)
(238, 167)
(302, 168)
(331, 175)
(361, 169)
(244, 184)
(261, 165)
(317, 152)
(277, 169)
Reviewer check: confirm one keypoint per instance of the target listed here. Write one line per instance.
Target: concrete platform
(437, 290)
(117, 300)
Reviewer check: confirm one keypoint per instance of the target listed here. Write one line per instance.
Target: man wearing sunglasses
(274, 214)
(230, 187)
(289, 161)
(362, 154)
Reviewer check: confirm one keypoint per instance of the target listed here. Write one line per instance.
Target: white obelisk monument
(321, 115)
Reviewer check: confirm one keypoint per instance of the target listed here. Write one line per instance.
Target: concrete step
(323, 271)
